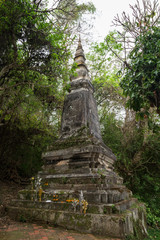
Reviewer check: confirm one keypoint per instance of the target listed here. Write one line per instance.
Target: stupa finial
(81, 70)
(79, 50)
(79, 43)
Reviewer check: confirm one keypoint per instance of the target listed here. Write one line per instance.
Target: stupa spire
(79, 59)
(79, 43)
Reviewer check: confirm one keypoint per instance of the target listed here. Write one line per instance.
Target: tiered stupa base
(68, 172)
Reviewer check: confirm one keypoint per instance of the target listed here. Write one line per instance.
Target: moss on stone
(138, 235)
(27, 194)
(52, 171)
(81, 138)
(82, 221)
(93, 209)
(114, 209)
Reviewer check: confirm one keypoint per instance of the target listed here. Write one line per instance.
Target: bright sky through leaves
(106, 11)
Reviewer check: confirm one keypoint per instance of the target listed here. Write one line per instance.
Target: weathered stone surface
(97, 154)
(113, 225)
(80, 108)
(80, 111)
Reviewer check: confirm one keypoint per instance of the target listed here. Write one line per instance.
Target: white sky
(106, 11)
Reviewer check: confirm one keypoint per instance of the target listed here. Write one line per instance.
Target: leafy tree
(32, 52)
(140, 175)
(34, 73)
(141, 81)
(34, 48)
(140, 40)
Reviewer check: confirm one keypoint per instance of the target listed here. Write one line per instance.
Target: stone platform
(112, 211)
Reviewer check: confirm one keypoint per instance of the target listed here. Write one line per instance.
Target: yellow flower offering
(40, 193)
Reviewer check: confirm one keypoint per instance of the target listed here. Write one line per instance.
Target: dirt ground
(8, 191)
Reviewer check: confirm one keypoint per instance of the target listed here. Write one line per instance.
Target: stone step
(75, 187)
(66, 165)
(73, 175)
(68, 156)
(98, 196)
(125, 204)
(67, 170)
(79, 178)
(80, 172)
(65, 206)
(113, 225)
(51, 170)
(72, 178)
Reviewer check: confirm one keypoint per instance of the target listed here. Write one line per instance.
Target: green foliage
(154, 233)
(33, 55)
(104, 73)
(111, 132)
(69, 11)
(22, 219)
(152, 219)
(137, 163)
(21, 150)
(34, 75)
(26, 40)
(142, 174)
(141, 81)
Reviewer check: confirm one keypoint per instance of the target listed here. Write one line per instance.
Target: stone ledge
(73, 152)
(64, 206)
(92, 208)
(107, 225)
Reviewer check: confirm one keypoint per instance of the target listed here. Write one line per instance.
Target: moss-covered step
(113, 225)
(56, 204)
(97, 197)
(125, 204)
(65, 206)
(80, 178)
(75, 187)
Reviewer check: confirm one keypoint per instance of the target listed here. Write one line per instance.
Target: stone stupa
(79, 188)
